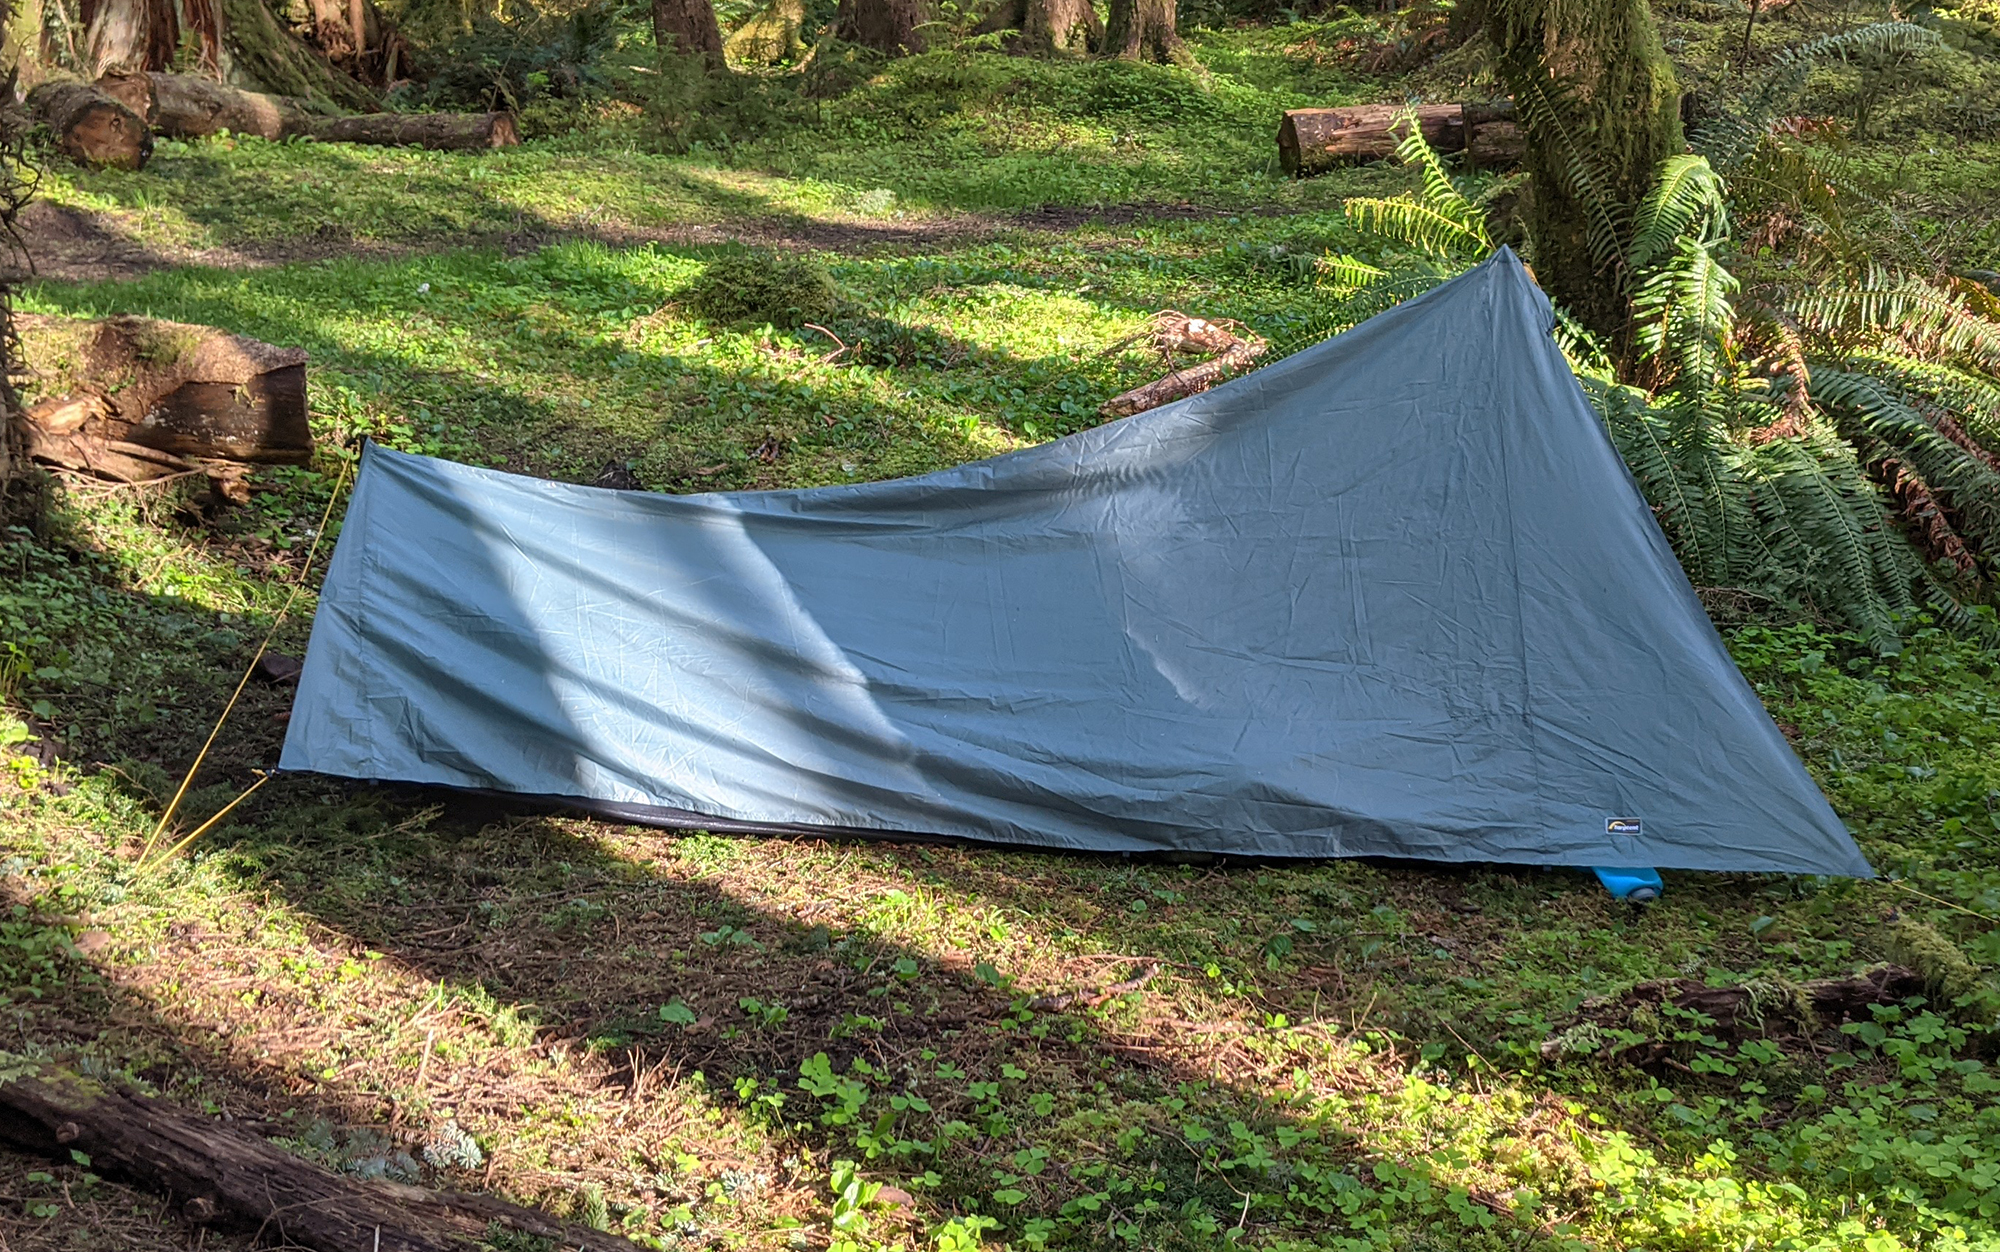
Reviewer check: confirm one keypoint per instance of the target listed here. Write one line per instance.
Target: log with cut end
(1176, 332)
(450, 132)
(131, 398)
(90, 127)
(1311, 141)
(182, 106)
(228, 1176)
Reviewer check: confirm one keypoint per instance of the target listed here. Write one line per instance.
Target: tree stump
(90, 127)
(448, 132)
(131, 399)
(182, 106)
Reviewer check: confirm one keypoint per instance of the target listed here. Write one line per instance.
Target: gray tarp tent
(1395, 595)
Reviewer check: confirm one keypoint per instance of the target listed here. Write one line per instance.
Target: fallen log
(90, 127)
(131, 398)
(1311, 141)
(225, 1175)
(182, 106)
(1176, 332)
(450, 132)
(1750, 1010)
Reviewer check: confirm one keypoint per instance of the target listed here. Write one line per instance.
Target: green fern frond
(1686, 194)
(1416, 225)
(1350, 273)
(1927, 319)
(1540, 105)
(1730, 138)
(1869, 406)
(1441, 195)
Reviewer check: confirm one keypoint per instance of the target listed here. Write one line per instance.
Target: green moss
(750, 288)
(1939, 961)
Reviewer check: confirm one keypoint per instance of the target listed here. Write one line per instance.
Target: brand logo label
(1623, 826)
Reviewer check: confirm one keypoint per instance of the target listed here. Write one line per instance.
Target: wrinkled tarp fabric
(1395, 595)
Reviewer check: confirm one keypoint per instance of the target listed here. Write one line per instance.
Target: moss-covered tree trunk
(888, 26)
(1047, 27)
(1144, 30)
(689, 27)
(1599, 102)
(772, 35)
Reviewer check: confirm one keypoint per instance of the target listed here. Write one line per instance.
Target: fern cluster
(1814, 415)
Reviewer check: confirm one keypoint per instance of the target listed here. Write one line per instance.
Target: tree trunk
(887, 26)
(228, 1176)
(1141, 30)
(1047, 27)
(771, 35)
(131, 35)
(266, 55)
(1595, 93)
(447, 132)
(688, 26)
(90, 127)
(130, 398)
(183, 107)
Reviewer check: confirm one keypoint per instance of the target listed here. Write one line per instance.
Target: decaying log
(223, 1174)
(1177, 332)
(130, 398)
(90, 127)
(451, 132)
(182, 106)
(1311, 141)
(1747, 1011)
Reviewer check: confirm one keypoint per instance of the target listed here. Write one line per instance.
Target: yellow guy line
(174, 807)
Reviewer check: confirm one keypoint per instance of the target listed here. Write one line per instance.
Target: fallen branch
(226, 1175)
(1091, 999)
(1176, 332)
(1755, 1010)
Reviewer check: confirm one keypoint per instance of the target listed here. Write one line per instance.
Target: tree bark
(887, 26)
(1047, 27)
(181, 106)
(131, 35)
(1595, 92)
(688, 27)
(448, 132)
(90, 127)
(771, 35)
(1175, 332)
(1311, 141)
(228, 1176)
(130, 398)
(1140, 30)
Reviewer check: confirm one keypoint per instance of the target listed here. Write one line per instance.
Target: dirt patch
(80, 246)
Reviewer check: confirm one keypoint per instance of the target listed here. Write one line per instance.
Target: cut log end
(92, 128)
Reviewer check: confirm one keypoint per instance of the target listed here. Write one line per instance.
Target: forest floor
(705, 1041)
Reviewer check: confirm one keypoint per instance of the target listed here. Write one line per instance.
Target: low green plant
(768, 288)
